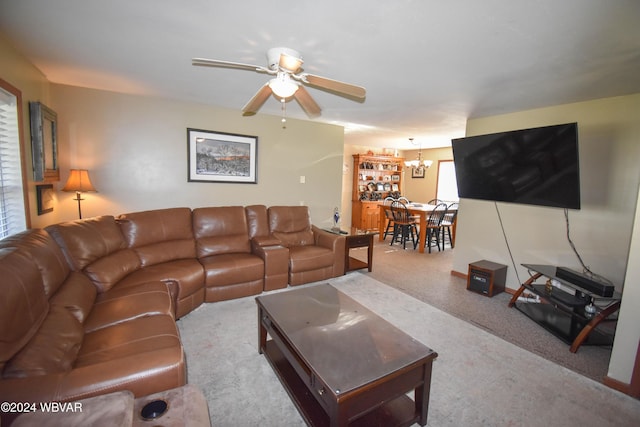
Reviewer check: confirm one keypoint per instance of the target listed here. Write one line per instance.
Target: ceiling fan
(289, 81)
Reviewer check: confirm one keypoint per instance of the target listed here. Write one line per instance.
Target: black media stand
(573, 317)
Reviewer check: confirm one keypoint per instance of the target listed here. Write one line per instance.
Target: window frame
(23, 157)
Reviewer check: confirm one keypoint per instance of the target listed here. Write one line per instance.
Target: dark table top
(345, 344)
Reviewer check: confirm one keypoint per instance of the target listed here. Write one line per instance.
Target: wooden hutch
(374, 178)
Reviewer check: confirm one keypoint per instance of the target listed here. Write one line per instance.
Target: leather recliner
(314, 254)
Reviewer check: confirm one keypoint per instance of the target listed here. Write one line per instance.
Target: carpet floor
(478, 378)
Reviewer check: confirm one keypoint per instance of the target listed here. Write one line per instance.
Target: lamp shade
(79, 181)
(282, 86)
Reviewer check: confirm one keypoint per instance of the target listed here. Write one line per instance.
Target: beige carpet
(478, 378)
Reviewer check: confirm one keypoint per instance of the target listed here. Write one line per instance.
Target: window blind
(12, 212)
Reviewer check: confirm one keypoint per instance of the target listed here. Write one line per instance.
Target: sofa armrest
(262, 241)
(334, 242)
(144, 373)
(276, 265)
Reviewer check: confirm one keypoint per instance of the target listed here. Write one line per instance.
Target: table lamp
(80, 183)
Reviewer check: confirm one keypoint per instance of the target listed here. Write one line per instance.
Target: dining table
(420, 210)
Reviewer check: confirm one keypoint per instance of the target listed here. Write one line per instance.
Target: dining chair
(387, 211)
(434, 202)
(405, 226)
(434, 225)
(447, 222)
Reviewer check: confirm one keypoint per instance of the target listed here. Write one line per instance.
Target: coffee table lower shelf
(398, 412)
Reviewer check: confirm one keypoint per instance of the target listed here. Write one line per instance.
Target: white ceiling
(427, 65)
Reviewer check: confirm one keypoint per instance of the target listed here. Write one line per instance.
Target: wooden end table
(357, 239)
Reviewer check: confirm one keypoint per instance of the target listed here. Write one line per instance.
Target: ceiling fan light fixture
(282, 86)
(285, 58)
(290, 63)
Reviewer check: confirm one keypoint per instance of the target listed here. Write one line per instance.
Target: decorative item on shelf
(418, 166)
(80, 183)
(336, 219)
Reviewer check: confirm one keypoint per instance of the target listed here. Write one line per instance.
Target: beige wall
(135, 148)
(623, 354)
(21, 74)
(609, 131)
(424, 189)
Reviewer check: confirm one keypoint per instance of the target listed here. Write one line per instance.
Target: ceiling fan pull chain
(284, 113)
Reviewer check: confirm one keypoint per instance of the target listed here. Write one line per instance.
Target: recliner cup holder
(154, 409)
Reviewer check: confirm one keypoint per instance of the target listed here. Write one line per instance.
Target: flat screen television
(538, 166)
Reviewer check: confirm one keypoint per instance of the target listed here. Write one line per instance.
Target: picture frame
(221, 157)
(44, 142)
(45, 198)
(418, 172)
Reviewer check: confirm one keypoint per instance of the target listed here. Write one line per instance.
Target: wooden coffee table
(341, 363)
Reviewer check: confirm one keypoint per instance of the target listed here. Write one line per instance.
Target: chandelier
(418, 163)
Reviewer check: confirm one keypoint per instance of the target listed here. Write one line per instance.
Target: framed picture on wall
(44, 142)
(44, 198)
(417, 172)
(222, 157)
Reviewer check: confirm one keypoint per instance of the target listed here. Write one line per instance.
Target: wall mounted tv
(538, 166)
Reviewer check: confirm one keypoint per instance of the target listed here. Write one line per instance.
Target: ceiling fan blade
(256, 102)
(307, 102)
(227, 64)
(335, 86)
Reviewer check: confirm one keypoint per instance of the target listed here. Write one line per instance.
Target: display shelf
(375, 177)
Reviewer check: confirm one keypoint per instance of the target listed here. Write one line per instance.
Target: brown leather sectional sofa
(88, 307)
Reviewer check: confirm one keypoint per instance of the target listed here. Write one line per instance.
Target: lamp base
(79, 199)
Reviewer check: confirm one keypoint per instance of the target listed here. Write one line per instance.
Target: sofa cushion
(39, 246)
(221, 230)
(77, 295)
(134, 337)
(23, 306)
(306, 258)
(107, 271)
(52, 349)
(85, 241)
(228, 269)
(188, 273)
(122, 304)
(160, 235)
(97, 247)
(257, 220)
(291, 225)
